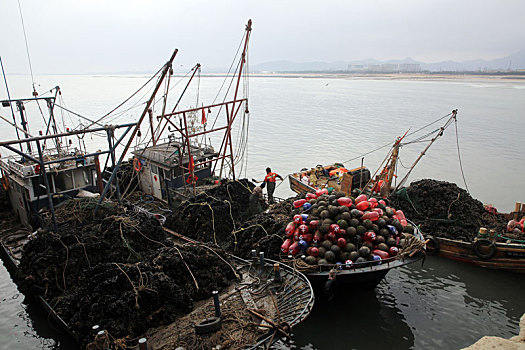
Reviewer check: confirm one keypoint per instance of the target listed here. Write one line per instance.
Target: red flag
(203, 120)
(191, 165)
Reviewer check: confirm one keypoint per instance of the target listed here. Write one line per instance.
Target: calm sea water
(302, 122)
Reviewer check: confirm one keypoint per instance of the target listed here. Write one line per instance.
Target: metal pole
(100, 185)
(21, 107)
(150, 114)
(109, 132)
(361, 175)
(21, 153)
(46, 182)
(216, 303)
(70, 133)
(9, 97)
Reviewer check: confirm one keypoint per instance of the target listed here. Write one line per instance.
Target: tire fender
(482, 242)
(208, 325)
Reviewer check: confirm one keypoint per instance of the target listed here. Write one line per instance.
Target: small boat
(362, 276)
(272, 297)
(365, 275)
(482, 252)
(334, 175)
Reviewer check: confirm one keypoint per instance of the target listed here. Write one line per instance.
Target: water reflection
(359, 320)
(452, 305)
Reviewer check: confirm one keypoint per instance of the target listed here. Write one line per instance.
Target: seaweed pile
(118, 271)
(442, 209)
(220, 216)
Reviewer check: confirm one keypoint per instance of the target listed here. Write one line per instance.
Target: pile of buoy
(332, 228)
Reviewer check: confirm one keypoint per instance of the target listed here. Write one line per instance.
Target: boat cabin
(26, 186)
(164, 167)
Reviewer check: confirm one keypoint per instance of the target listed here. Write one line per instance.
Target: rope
(459, 155)
(129, 98)
(27, 46)
(390, 143)
(521, 241)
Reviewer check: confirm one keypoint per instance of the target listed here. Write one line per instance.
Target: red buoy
(299, 203)
(361, 198)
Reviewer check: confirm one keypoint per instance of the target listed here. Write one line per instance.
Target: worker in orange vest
(269, 180)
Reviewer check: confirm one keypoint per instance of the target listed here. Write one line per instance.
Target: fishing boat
(481, 252)
(41, 171)
(334, 175)
(489, 249)
(272, 297)
(176, 166)
(331, 278)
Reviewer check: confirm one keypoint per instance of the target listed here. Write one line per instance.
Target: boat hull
(299, 187)
(363, 278)
(508, 257)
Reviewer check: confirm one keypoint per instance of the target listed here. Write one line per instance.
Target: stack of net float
(336, 229)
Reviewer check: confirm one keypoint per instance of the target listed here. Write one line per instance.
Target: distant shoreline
(394, 76)
(446, 76)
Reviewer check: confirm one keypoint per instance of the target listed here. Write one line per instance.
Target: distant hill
(514, 61)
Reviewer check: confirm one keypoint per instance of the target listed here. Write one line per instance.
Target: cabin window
(154, 169)
(82, 177)
(63, 181)
(39, 185)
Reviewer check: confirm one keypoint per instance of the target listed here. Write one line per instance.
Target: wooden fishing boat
(334, 175)
(482, 252)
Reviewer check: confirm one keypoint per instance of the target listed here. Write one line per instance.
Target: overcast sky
(97, 36)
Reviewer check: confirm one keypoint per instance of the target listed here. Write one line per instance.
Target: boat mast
(9, 99)
(167, 68)
(440, 133)
(227, 140)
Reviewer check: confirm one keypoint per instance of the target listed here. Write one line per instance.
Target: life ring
(137, 164)
(489, 248)
(208, 325)
(433, 244)
(5, 183)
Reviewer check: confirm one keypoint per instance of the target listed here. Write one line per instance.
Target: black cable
(459, 156)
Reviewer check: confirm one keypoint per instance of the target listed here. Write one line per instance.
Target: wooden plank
(346, 184)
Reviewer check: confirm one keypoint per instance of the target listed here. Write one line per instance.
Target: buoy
(303, 229)
(335, 228)
(294, 249)
(137, 164)
(361, 198)
(369, 236)
(347, 202)
(392, 251)
(380, 253)
(363, 205)
(370, 215)
(286, 246)
(311, 196)
(299, 203)
(289, 230)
